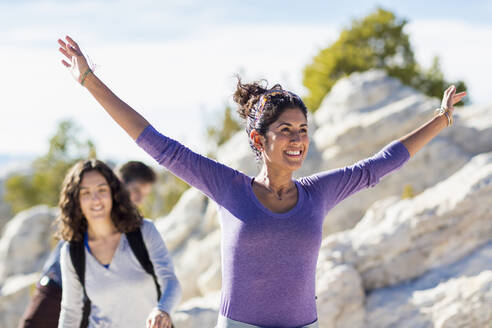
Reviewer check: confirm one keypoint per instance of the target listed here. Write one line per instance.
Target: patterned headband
(260, 104)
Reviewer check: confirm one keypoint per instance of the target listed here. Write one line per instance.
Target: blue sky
(174, 60)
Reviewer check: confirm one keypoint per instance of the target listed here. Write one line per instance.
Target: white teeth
(295, 153)
(97, 208)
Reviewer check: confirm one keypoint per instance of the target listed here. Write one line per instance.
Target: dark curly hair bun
(247, 95)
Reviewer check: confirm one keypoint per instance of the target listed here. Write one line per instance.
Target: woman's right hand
(158, 319)
(126, 117)
(77, 62)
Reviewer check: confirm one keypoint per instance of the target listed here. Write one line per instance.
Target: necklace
(279, 197)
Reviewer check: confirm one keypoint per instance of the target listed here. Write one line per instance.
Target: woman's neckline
(292, 211)
(87, 246)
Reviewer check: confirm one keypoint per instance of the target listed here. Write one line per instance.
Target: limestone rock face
(366, 111)
(185, 219)
(455, 295)
(24, 246)
(26, 241)
(237, 154)
(198, 265)
(360, 92)
(14, 296)
(193, 238)
(407, 238)
(340, 297)
(422, 171)
(198, 312)
(473, 129)
(441, 239)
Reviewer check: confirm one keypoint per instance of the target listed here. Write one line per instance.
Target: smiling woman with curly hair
(96, 217)
(72, 222)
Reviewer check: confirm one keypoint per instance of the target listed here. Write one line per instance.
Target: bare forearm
(419, 137)
(130, 120)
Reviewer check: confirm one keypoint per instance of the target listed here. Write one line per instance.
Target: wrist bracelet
(445, 111)
(85, 75)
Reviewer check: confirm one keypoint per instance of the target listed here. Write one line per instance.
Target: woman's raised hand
(77, 63)
(451, 97)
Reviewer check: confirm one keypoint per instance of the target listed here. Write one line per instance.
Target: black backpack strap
(135, 239)
(77, 255)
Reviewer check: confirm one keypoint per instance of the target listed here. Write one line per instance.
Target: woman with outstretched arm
(271, 224)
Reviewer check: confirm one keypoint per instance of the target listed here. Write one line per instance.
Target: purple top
(269, 259)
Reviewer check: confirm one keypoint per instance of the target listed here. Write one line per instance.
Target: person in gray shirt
(43, 309)
(96, 210)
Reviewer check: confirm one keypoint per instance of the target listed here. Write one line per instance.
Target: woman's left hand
(451, 97)
(158, 319)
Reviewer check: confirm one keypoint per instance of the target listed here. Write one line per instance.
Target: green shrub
(375, 41)
(43, 184)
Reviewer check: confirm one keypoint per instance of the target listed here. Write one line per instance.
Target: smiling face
(286, 142)
(95, 197)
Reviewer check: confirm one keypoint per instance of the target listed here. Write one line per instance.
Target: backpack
(77, 255)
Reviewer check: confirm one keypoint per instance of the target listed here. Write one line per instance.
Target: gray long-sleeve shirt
(124, 294)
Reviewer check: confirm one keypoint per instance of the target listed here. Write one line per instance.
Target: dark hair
(136, 171)
(247, 96)
(72, 223)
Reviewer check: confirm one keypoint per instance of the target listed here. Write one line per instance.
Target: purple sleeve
(212, 178)
(335, 185)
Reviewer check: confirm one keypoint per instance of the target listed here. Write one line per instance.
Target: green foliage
(222, 132)
(432, 81)
(376, 41)
(408, 192)
(43, 185)
(164, 195)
